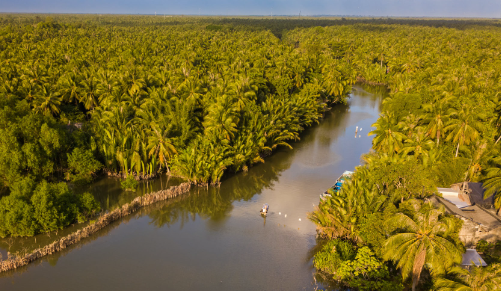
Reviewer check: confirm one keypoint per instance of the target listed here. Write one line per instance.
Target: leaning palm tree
(478, 279)
(422, 240)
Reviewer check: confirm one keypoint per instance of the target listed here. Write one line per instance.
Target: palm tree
(160, 145)
(48, 101)
(422, 240)
(388, 138)
(478, 279)
(88, 95)
(464, 128)
(492, 182)
(410, 123)
(419, 145)
(436, 118)
(340, 215)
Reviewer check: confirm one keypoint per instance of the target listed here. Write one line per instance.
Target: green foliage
(129, 184)
(82, 165)
(332, 255)
(360, 269)
(482, 246)
(53, 206)
(425, 238)
(450, 171)
(377, 227)
(340, 215)
(491, 252)
(401, 178)
(16, 217)
(366, 272)
(29, 210)
(477, 279)
(87, 207)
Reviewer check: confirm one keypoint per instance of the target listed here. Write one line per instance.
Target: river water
(214, 239)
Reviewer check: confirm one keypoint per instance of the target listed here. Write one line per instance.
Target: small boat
(337, 186)
(265, 208)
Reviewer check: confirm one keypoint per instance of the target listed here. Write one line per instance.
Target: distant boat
(337, 186)
(265, 209)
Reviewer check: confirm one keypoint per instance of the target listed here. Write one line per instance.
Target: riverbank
(103, 221)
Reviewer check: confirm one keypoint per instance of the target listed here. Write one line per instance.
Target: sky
(413, 8)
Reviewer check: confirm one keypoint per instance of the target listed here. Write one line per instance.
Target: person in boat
(265, 208)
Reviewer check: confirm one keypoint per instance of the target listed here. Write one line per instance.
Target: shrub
(129, 184)
(50, 206)
(87, 206)
(16, 217)
(82, 166)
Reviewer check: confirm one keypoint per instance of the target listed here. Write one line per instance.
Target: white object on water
(360, 129)
(359, 136)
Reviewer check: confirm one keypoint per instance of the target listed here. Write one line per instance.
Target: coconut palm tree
(418, 145)
(48, 101)
(463, 127)
(436, 117)
(339, 216)
(422, 240)
(477, 279)
(388, 137)
(160, 145)
(492, 182)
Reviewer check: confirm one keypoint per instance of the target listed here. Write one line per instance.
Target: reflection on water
(215, 239)
(214, 203)
(107, 192)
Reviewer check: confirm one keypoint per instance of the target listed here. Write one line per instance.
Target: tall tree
(422, 239)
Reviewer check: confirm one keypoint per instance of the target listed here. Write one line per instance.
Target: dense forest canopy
(194, 98)
(199, 97)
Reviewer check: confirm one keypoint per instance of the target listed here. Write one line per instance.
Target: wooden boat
(337, 186)
(265, 209)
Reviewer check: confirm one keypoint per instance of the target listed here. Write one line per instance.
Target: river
(214, 239)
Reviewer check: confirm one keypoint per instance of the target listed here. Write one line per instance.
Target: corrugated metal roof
(452, 196)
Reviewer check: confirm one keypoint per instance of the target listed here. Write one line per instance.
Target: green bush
(129, 184)
(359, 269)
(54, 206)
(331, 256)
(87, 206)
(16, 217)
(50, 206)
(82, 166)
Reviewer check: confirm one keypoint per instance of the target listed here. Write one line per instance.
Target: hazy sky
(444, 8)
